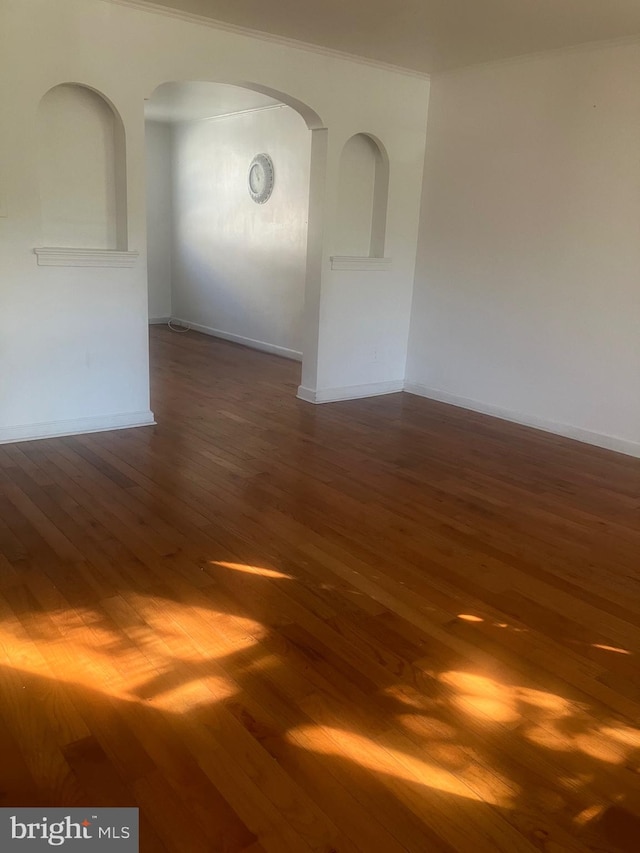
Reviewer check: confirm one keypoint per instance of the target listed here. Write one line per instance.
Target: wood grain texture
(380, 625)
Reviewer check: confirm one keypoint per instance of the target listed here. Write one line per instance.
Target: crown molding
(202, 20)
(521, 58)
(285, 41)
(233, 114)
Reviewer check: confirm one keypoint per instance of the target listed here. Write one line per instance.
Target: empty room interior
(320, 426)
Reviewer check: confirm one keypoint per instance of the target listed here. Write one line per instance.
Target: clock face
(261, 178)
(256, 178)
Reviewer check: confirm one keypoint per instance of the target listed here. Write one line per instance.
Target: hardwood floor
(381, 625)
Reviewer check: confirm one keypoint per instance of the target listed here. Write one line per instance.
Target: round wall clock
(261, 178)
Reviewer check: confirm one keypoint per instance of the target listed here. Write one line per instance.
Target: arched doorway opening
(235, 179)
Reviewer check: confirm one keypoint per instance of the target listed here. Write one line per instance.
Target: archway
(220, 240)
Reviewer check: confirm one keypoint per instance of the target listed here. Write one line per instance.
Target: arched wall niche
(363, 194)
(82, 172)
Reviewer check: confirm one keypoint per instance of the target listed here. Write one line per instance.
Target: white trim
(609, 442)
(348, 262)
(306, 394)
(248, 111)
(350, 392)
(263, 346)
(54, 429)
(202, 20)
(521, 58)
(158, 321)
(55, 256)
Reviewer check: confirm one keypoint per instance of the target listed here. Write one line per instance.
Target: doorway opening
(232, 225)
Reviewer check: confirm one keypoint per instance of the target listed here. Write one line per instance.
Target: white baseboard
(263, 346)
(158, 321)
(609, 442)
(56, 429)
(306, 394)
(350, 392)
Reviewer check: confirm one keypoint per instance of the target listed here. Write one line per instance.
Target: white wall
(74, 346)
(159, 218)
(239, 267)
(527, 296)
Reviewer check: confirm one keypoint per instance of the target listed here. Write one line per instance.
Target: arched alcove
(82, 170)
(362, 201)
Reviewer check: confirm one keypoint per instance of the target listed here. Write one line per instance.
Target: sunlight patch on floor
(252, 570)
(372, 755)
(164, 660)
(614, 649)
(548, 720)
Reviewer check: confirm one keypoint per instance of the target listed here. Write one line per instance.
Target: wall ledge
(346, 262)
(54, 256)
